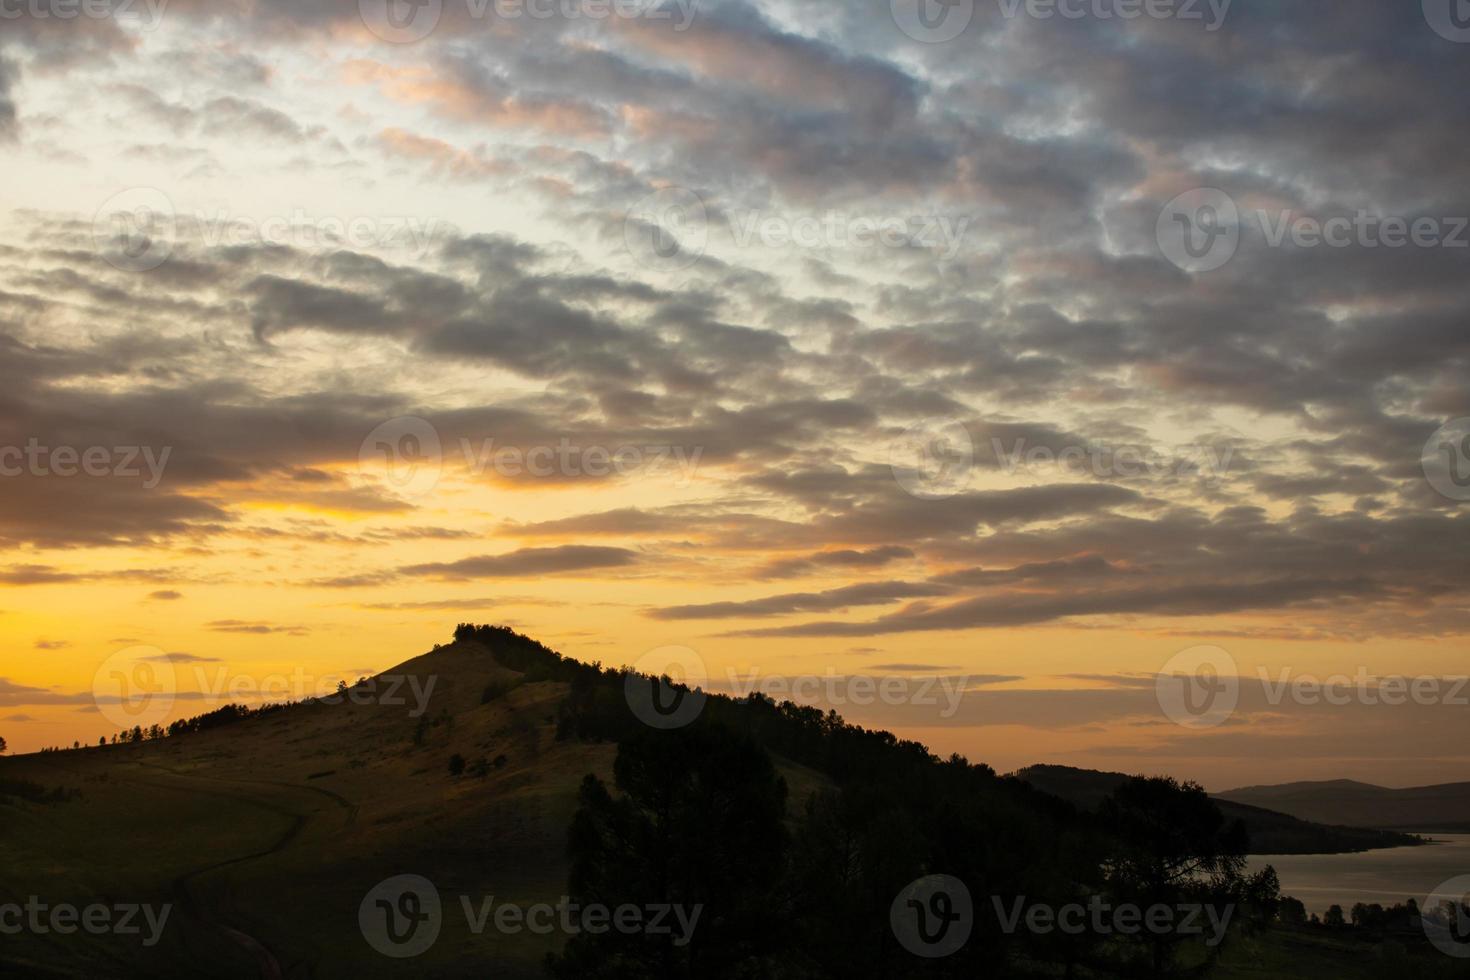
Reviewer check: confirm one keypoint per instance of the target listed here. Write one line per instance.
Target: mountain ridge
(1438, 808)
(1271, 831)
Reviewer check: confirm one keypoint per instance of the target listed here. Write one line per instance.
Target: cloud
(527, 561)
(990, 613)
(863, 594)
(182, 658)
(255, 627)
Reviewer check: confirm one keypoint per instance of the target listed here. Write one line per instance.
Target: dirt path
(188, 896)
(268, 964)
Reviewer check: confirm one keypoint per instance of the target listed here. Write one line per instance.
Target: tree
(1334, 918)
(1292, 912)
(1175, 847)
(699, 825)
(1261, 893)
(2, 745)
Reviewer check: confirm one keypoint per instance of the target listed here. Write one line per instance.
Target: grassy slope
(1315, 954)
(229, 825)
(239, 828)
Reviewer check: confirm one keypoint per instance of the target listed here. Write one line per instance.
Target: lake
(1387, 876)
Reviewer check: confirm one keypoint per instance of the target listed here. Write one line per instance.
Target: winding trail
(189, 897)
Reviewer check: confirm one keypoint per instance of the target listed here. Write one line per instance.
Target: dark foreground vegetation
(698, 815)
(797, 838)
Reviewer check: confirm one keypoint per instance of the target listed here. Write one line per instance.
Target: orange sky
(888, 358)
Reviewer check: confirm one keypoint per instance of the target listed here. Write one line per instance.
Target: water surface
(1386, 876)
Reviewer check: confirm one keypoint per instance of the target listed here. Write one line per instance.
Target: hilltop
(527, 779)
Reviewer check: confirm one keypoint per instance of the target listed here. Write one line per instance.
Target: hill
(1271, 832)
(276, 841)
(1443, 808)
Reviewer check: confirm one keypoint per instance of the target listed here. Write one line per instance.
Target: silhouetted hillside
(1270, 832)
(1443, 808)
(512, 775)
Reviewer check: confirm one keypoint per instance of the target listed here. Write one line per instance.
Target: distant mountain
(1271, 831)
(1443, 809)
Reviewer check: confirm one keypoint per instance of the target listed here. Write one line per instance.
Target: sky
(1093, 372)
